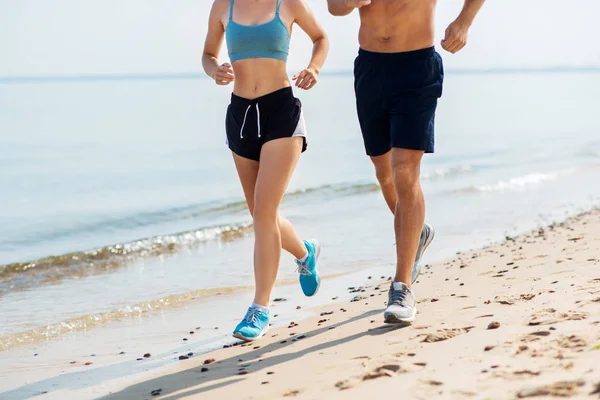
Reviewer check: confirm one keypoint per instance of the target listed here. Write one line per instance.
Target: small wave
(440, 173)
(517, 183)
(82, 263)
(591, 153)
(86, 322)
(76, 263)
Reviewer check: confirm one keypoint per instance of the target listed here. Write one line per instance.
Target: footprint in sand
(520, 374)
(550, 316)
(572, 342)
(558, 389)
(444, 334)
(510, 300)
(384, 371)
(388, 370)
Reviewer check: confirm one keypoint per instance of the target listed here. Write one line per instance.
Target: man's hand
(456, 36)
(224, 74)
(357, 3)
(306, 79)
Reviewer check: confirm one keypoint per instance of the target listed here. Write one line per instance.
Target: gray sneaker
(427, 235)
(402, 306)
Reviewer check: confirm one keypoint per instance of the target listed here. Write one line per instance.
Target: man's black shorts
(396, 99)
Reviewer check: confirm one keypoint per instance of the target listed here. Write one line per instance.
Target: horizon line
(23, 79)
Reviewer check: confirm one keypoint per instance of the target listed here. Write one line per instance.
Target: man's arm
(458, 31)
(339, 8)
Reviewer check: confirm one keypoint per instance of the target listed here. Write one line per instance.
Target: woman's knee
(265, 216)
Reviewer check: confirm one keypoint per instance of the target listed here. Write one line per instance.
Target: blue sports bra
(268, 40)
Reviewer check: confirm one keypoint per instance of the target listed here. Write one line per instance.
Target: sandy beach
(516, 319)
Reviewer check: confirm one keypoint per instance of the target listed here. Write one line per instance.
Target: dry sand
(514, 320)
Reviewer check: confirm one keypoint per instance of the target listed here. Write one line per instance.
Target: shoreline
(360, 327)
(511, 338)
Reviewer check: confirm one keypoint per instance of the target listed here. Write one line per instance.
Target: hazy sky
(61, 37)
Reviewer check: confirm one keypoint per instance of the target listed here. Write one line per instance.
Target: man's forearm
(470, 10)
(338, 8)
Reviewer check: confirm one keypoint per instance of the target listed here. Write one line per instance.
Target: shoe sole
(393, 319)
(422, 251)
(238, 335)
(318, 246)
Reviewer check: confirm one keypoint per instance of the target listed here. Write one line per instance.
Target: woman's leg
(248, 173)
(278, 159)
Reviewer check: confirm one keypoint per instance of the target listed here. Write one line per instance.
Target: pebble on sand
(203, 369)
(209, 361)
(88, 363)
(183, 357)
(494, 325)
(147, 355)
(156, 392)
(488, 348)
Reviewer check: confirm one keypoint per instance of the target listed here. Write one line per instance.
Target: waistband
(421, 54)
(268, 100)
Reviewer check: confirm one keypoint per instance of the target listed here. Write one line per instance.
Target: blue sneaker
(427, 235)
(309, 275)
(254, 325)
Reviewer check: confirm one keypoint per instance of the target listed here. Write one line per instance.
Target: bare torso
(255, 77)
(396, 26)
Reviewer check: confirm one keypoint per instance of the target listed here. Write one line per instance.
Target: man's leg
(409, 214)
(408, 225)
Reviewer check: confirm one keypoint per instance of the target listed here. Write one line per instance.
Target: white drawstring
(244, 123)
(257, 120)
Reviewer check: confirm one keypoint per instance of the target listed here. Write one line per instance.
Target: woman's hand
(306, 79)
(224, 74)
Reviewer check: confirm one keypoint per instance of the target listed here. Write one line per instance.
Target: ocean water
(118, 197)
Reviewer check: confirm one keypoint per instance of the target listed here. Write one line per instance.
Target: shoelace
(397, 296)
(302, 268)
(252, 315)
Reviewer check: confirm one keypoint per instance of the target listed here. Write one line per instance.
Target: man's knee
(383, 170)
(384, 177)
(406, 170)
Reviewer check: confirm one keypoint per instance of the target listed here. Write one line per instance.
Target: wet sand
(516, 319)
